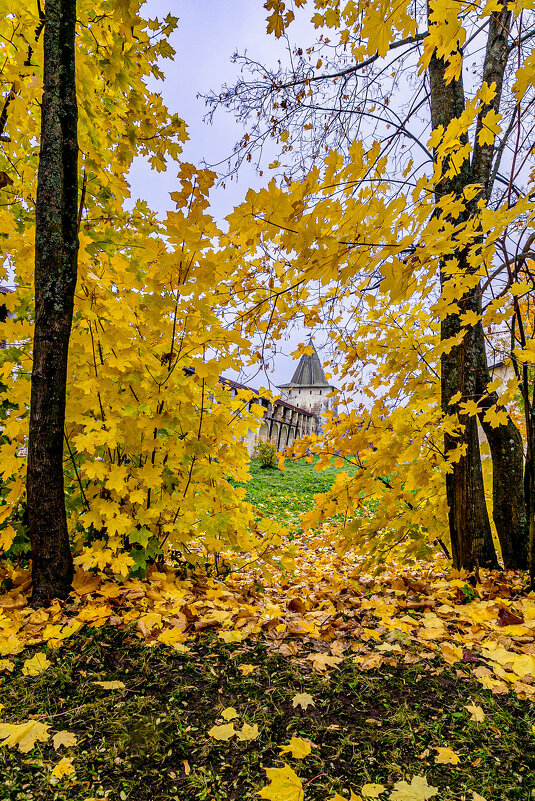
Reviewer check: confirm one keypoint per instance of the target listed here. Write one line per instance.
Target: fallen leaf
(372, 790)
(7, 664)
(304, 700)
(417, 790)
(477, 797)
(187, 768)
(322, 661)
(110, 685)
(297, 605)
(66, 738)
(285, 785)
(470, 656)
(298, 748)
(36, 665)
(231, 635)
(229, 713)
(84, 583)
(508, 618)
(25, 735)
(476, 713)
(451, 653)
(248, 732)
(63, 768)
(224, 732)
(246, 670)
(445, 756)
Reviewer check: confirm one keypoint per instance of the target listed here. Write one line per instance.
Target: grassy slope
(287, 493)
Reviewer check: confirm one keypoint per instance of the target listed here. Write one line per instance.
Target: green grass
(289, 492)
(150, 742)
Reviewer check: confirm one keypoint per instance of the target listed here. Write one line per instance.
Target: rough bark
(508, 491)
(56, 253)
(505, 441)
(529, 490)
(470, 532)
(465, 368)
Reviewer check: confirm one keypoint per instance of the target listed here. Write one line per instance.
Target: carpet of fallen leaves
(325, 612)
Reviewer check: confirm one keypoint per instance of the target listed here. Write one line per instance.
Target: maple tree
(152, 440)
(428, 254)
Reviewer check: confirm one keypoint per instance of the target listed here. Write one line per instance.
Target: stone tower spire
(309, 388)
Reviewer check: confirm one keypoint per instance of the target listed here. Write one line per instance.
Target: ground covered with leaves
(307, 679)
(152, 727)
(405, 686)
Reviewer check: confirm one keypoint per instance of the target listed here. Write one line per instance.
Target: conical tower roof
(309, 372)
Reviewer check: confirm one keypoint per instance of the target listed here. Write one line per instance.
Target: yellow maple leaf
(323, 661)
(110, 685)
(248, 732)
(25, 735)
(275, 24)
(223, 732)
(297, 747)
(304, 700)
(490, 128)
(372, 790)
(476, 713)
(11, 645)
(487, 93)
(417, 790)
(63, 768)
(230, 635)
(285, 785)
(66, 738)
(445, 756)
(451, 653)
(246, 670)
(36, 665)
(229, 713)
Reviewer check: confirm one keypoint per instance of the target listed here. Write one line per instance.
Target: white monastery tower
(309, 389)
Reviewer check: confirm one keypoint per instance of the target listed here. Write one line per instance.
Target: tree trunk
(56, 252)
(470, 532)
(529, 489)
(505, 441)
(510, 514)
(465, 368)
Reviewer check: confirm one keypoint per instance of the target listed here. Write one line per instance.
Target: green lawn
(285, 494)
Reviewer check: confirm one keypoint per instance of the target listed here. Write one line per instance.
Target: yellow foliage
(153, 439)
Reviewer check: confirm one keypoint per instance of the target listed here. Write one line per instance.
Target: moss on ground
(150, 741)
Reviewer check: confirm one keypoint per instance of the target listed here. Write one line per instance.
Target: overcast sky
(209, 32)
